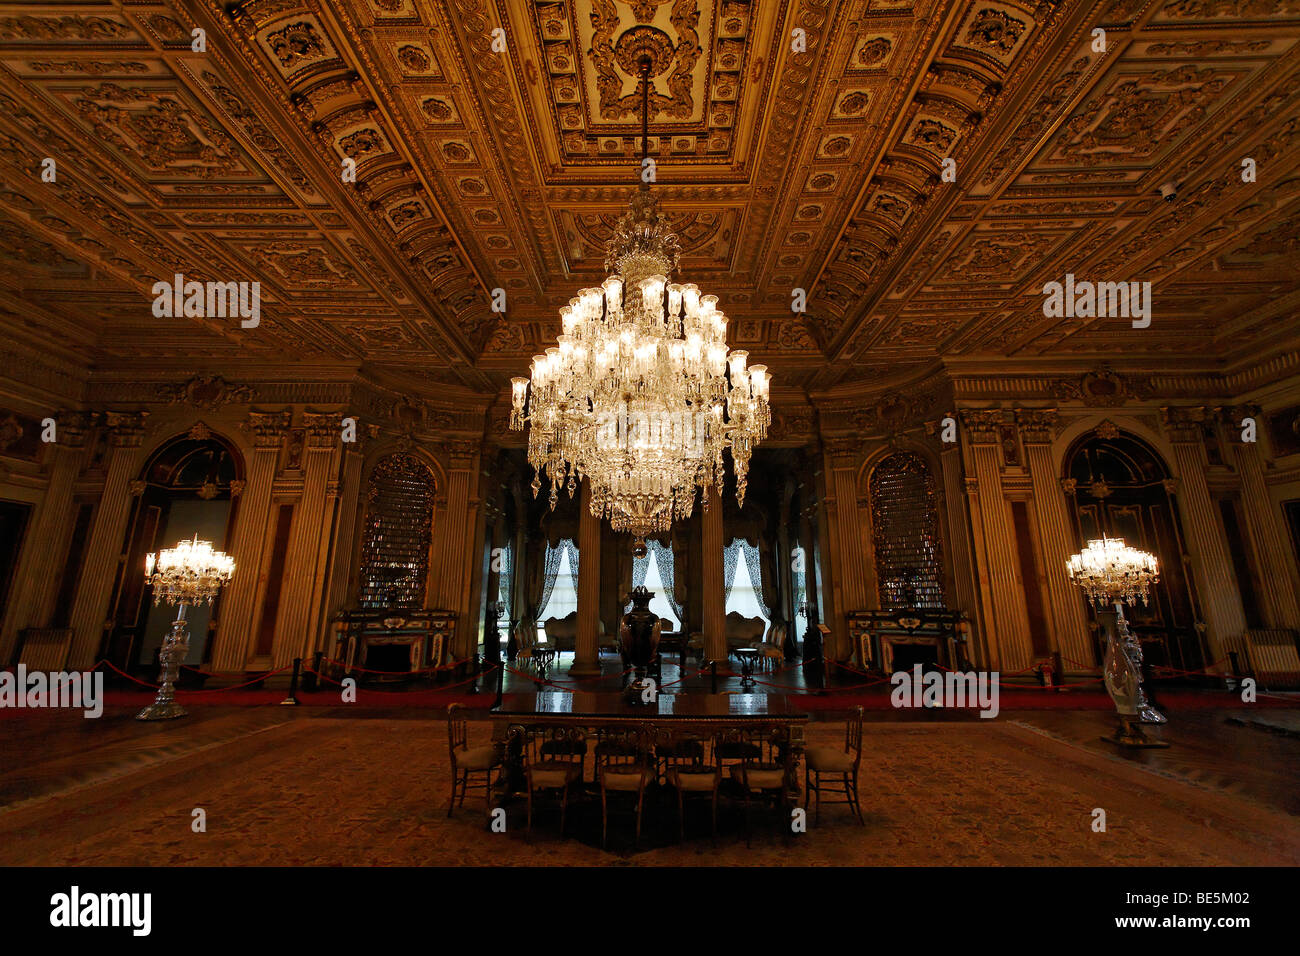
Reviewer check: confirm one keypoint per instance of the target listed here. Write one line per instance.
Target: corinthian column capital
(1038, 426)
(267, 428)
(125, 429)
(1184, 424)
(982, 424)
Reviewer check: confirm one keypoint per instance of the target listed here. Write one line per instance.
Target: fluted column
(712, 581)
(345, 536)
(107, 533)
(1225, 618)
(848, 566)
(958, 535)
(984, 653)
(36, 579)
(1008, 644)
(1066, 616)
(300, 599)
(239, 610)
(1279, 582)
(455, 543)
(585, 658)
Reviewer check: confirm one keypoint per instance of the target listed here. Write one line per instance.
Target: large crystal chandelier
(1109, 571)
(640, 394)
(190, 573)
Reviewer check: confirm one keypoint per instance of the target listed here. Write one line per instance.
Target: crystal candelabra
(1112, 574)
(190, 573)
(640, 393)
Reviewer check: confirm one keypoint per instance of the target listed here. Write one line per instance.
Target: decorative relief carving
(296, 43)
(209, 392)
(995, 31)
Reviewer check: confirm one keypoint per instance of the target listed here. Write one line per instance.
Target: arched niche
(396, 532)
(905, 532)
(189, 485)
(1121, 489)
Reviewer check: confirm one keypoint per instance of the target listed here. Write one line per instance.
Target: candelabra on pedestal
(190, 573)
(1111, 574)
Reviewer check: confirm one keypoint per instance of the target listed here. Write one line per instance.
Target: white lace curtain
(662, 555)
(551, 570)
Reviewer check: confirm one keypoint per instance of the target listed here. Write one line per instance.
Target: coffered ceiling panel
(919, 169)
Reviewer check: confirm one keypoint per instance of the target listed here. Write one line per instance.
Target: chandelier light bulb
(1109, 571)
(190, 573)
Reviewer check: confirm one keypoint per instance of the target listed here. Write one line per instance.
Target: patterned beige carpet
(374, 791)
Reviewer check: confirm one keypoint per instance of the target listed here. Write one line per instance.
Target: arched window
(905, 530)
(1120, 490)
(398, 531)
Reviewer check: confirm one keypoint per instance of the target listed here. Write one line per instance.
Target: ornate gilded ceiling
(800, 144)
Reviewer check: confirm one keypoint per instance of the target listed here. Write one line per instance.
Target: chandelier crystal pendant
(640, 393)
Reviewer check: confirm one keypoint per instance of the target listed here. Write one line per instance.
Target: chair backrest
(681, 748)
(623, 747)
(525, 635)
(853, 735)
(457, 730)
(753, 743)
(562, 743)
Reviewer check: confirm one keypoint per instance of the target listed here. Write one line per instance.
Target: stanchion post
(501, 680)
(473, 685)
(292, 699)
(713, 677)
(1058, 670)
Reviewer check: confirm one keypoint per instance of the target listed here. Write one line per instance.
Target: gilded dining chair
(624, 766)
(467, 760)
(547, 772)
(833, 762)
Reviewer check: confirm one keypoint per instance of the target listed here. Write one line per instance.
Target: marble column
(1279, 582)
(957, 534)
(455, 543)
(984, 652)
(848, 567)
(712, 581)
(1066, 615)
(239, 610)
(103, 556)
(1225, 618)
(304, 579)
(586, 660)
(37, 578)
(1008, 644)
(345, 535)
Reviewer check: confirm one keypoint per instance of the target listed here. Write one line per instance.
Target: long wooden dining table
(695, 714)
